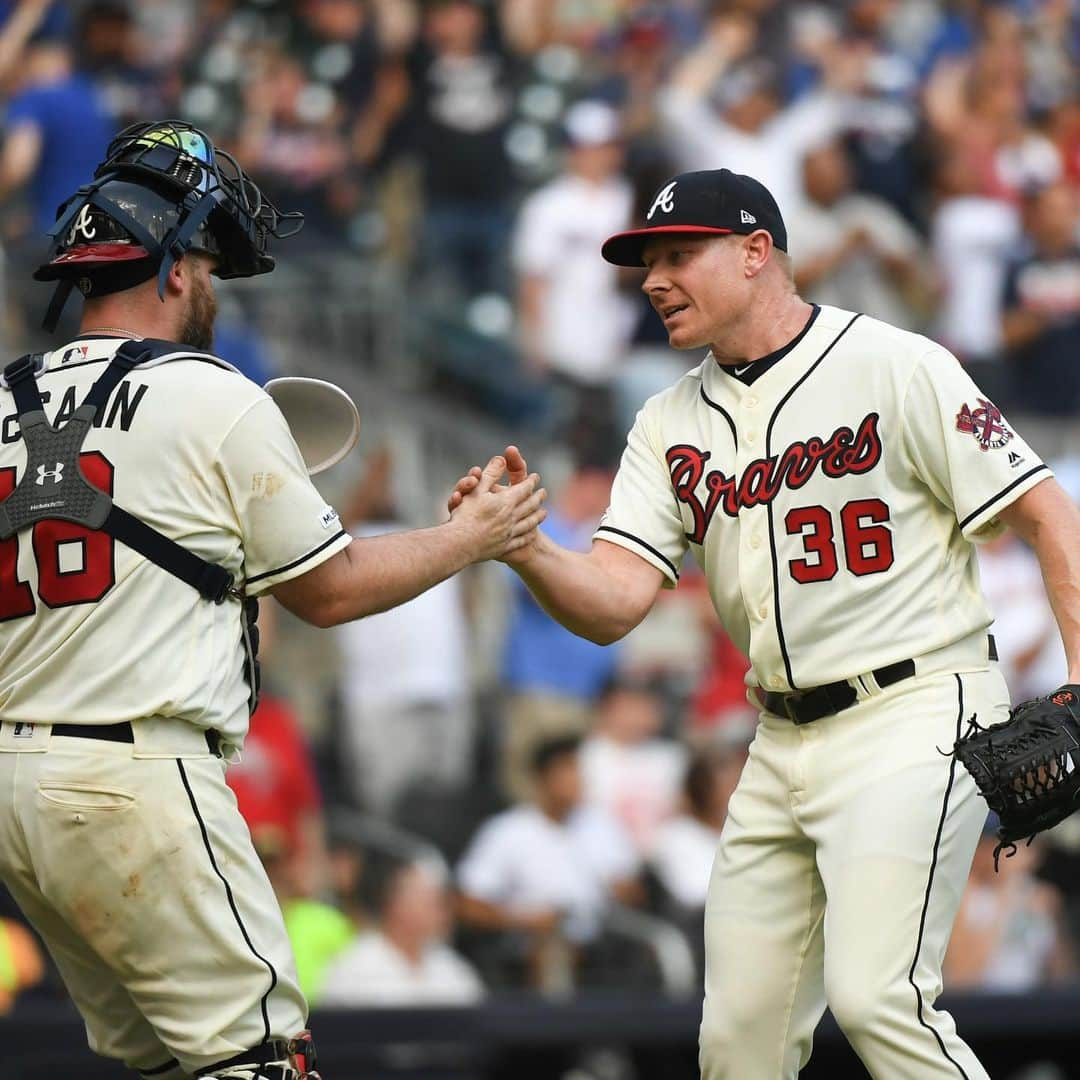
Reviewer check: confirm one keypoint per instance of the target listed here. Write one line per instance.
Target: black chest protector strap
(53, 485)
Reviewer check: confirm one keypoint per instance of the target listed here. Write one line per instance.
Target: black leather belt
(806, 706)
(121, 732)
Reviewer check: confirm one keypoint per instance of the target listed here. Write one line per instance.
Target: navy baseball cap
(711, 201)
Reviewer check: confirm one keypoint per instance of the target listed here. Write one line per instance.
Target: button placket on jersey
(755, 570)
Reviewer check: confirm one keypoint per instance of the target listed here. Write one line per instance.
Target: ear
(757, 248)
(178, 279)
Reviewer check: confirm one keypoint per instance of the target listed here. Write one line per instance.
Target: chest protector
(52, 453)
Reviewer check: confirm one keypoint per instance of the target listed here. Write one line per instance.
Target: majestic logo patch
(665, 201)
(747, 218)
(985, 423)
(844, 453)
(1014, 459)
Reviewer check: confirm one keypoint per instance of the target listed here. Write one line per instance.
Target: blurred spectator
(57, 127)
(318, 931)
(1028, 644)
(111, 54)
(575, 323)
(22, 21)
(460, 109)
(549, 868)
(275, 787)
(628, 767)
(56, 130)
(971, 236)
(1009, 934)
(22, 963)
(1041, 316)
(977, 107)
(275, 783)
(553, 677)
(884, 117)
(404, 959)
(723, 108)
(855, 251)
(408, 719)
(684, 847)
(293, 138)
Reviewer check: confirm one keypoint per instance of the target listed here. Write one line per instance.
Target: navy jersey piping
(772, 530)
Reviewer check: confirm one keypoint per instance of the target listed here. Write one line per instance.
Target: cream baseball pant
(837, 878)
(135, 866)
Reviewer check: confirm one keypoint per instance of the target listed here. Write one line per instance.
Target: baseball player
(125, 680)
(830, 473)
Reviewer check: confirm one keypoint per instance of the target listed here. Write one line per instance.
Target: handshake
(500, 521)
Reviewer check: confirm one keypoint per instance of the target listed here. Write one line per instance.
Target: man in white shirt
(551, 866)
(574, 320)
(405, 959)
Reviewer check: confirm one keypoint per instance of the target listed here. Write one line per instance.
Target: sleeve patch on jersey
(329, 517)
(985, 424)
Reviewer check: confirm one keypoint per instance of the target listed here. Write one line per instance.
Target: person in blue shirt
(56, 131)
(552, 677)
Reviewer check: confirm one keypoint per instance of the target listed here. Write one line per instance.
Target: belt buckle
(791, 698)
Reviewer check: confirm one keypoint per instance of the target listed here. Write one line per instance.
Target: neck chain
(112, 330)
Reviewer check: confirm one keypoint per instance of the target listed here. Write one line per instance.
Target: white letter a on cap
(665, 201)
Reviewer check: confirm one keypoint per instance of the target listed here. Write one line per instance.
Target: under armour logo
(83, 225)
(747, 218)
(665, 201)
(57, 474)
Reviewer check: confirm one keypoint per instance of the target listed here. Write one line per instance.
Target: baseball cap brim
(90, 255)
(625, 248)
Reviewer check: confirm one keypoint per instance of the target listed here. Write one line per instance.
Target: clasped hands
(505, 516)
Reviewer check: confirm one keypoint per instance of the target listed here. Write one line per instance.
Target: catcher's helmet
(163, 189)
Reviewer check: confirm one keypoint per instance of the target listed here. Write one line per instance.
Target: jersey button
(763, 612)
(750, 401)
(751, 437)
(776, 682)
(755, 541)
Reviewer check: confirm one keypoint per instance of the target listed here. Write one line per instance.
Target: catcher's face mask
(163, 189)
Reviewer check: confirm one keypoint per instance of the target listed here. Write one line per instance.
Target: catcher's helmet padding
(163, 189)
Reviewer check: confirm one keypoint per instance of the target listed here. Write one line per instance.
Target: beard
(197, 325)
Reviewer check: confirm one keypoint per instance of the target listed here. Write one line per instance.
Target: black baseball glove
(1028, 767)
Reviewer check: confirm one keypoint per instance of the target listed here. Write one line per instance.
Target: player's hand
(516, 469)
(500, 519)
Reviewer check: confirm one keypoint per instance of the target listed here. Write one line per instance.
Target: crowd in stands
(465, 822)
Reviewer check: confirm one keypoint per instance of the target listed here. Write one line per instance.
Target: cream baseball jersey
(830, 493)
(93, 633)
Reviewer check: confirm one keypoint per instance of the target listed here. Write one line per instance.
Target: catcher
(148, 494)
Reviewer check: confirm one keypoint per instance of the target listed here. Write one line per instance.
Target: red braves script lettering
(844, 453)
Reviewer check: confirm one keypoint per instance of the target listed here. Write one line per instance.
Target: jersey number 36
(868, 544)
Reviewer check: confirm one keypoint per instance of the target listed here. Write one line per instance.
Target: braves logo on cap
(665, 200)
